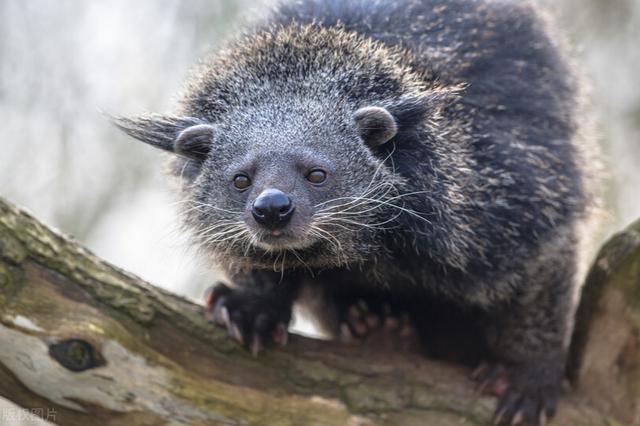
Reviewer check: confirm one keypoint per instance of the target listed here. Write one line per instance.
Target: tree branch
(101, 347)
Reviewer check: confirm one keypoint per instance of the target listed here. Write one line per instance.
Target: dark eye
(241, 181)
(317, 176)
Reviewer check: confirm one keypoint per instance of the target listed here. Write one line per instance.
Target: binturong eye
(317, 176)
(241, 181)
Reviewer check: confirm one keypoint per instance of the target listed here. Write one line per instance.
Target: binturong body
(421, 157)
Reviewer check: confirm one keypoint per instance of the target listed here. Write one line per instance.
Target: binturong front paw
(253, 319)
(528, 394)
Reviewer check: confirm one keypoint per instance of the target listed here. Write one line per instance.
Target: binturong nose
(273, 208)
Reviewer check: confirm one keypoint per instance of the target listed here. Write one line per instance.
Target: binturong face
(285, 145)
(272, 187)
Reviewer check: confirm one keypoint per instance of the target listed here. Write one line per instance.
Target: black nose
(272, 208)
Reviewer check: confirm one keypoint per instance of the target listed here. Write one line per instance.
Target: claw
(523, 400)
(480, 371)
(492, 379)
(256, 345)
(345, 333)
(248, 320)
(224, 316)
(517, 419)
(220, 315)
(484, 384)
(498, 418)
(235, 333)
(281, 334)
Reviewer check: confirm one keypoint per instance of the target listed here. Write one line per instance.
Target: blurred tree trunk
(83, 342)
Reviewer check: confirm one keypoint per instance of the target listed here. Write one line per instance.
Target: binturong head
(284, 145)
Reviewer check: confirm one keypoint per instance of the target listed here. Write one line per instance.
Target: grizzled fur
(468, 218)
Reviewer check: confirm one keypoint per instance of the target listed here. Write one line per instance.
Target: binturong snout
(273, 209)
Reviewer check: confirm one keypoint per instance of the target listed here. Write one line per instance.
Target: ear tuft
(375, 125)
(186, 136)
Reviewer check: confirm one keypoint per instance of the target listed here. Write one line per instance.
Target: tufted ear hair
(186, 136)
(375, 125)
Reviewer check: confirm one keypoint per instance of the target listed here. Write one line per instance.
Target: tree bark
(83, 342)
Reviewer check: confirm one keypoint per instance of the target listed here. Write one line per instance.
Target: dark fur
(483, 190)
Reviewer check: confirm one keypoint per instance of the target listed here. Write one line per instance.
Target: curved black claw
(529, 395)
(520, 408)
(253, 319)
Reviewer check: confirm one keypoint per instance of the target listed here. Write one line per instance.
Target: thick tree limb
(157, 361)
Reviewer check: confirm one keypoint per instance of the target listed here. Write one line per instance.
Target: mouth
(278, 239)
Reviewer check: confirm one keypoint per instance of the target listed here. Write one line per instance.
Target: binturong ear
(375, 125)
(186, 136)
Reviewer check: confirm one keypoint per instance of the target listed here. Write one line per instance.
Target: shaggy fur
(467, 218)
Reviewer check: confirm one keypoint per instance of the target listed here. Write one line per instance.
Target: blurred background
(62, 62)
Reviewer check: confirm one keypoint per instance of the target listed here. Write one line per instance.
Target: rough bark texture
(149, 357)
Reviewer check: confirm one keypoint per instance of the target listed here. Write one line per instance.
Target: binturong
(423, 159)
